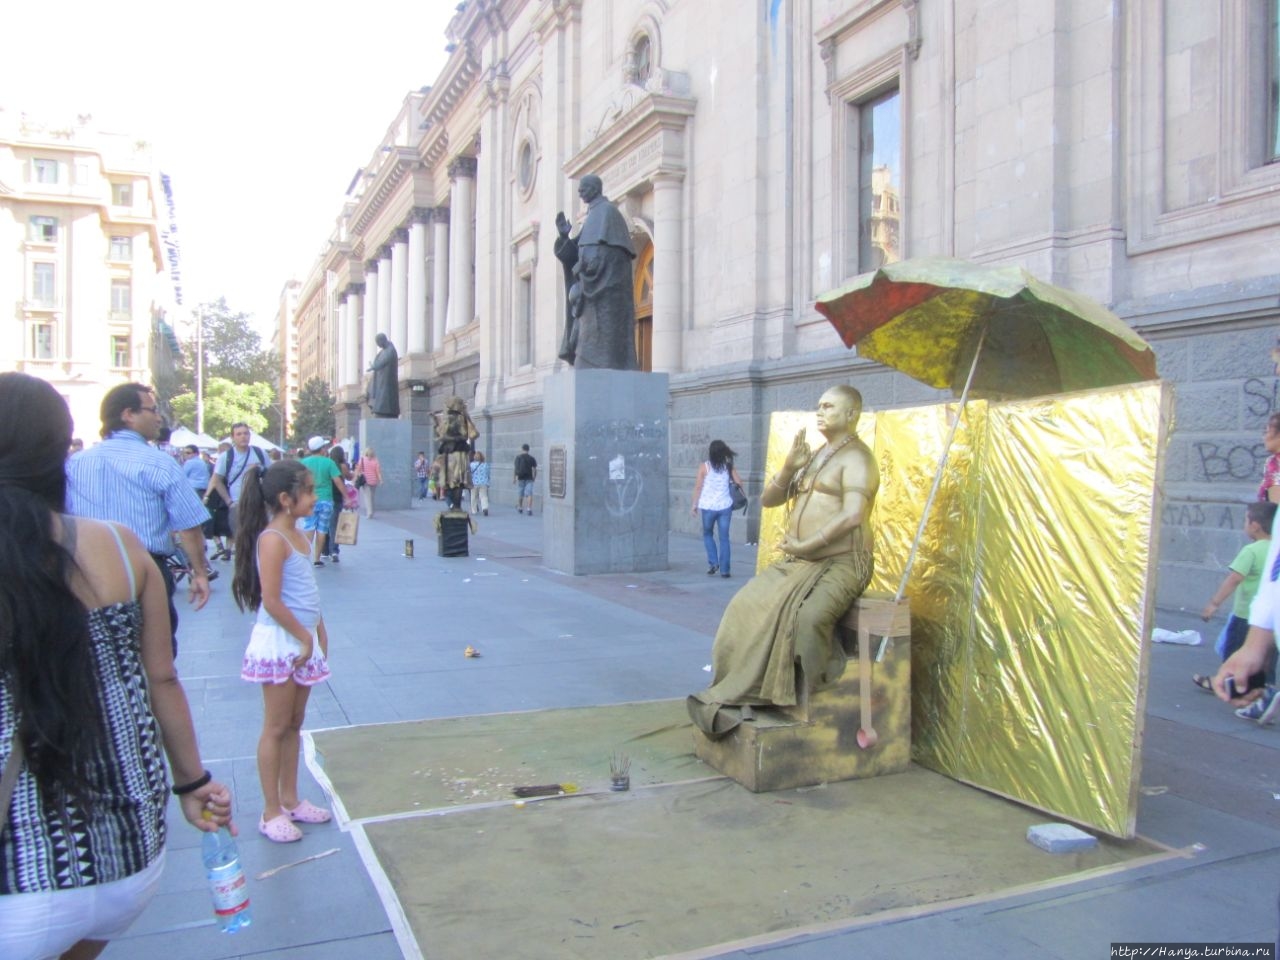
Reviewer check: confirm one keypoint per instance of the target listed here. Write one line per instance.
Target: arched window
(642, 56)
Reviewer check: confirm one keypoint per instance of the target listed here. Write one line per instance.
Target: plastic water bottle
(226, 880)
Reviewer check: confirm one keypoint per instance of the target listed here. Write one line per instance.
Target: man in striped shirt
(126, 480)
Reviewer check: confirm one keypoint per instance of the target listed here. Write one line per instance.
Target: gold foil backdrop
(1031, 593)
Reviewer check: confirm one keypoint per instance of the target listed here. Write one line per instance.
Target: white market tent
(181, 437)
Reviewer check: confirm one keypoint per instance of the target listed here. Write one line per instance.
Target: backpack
(262, 464)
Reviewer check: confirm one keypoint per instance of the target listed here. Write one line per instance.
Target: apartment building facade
(284, 340)
(81, 260)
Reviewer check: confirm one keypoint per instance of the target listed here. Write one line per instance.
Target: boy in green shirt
(1246, 573)
(327, 477)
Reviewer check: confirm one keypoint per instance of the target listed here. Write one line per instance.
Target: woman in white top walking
(711, 495)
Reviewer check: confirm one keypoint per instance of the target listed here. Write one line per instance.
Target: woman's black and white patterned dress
(123, 831)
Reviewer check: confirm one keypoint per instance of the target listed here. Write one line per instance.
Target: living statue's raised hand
(562, 224)
(799, 453)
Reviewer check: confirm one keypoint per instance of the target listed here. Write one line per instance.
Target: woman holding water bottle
(89, 704)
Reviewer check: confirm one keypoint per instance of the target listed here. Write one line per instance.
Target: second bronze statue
(600, 325)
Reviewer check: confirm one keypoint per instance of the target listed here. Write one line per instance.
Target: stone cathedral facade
(765, 151)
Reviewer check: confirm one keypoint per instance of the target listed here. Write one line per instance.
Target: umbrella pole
(937, 477)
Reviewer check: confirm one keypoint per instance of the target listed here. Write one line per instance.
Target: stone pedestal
(603, 473)
(392, 441)
(816, 741)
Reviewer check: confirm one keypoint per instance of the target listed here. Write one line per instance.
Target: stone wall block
(1241, 353)
(1208, 409)
(1175, 461)
(1173, 358)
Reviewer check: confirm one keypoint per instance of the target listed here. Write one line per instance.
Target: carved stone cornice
(862, 12)
(393, 171)
(497, 83)
(558, 14)
(648, 140)
(827, 51)
(463, 166)
(530, 235)
(914, 39)
(664, 84)
(478, 20)
(452, 85)
(434, 146)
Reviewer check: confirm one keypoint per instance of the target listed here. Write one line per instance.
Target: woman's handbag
(360, 481)
(739, 496)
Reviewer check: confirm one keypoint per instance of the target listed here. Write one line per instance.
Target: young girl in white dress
(288, 647)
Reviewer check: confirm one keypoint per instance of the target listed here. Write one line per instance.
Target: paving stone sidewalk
(398, 628)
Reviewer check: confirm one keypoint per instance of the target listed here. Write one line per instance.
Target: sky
(260, 112)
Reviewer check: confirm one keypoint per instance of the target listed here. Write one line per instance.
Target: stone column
(369, 326)
(462, 247)
(351, 374)
(399, 332)
(416, 342)
(341, 344)
(440, 276)
(668, 285)
(386, 282)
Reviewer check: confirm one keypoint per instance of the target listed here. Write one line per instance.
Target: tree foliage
(225, 403)
(232, 348)
(313, 416)
(234, 357)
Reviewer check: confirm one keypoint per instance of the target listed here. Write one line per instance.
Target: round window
(525, 167)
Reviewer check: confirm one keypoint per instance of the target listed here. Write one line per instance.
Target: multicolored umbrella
(926, 317)
(992, 331)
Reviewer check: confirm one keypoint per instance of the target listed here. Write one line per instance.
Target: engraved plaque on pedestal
(557, 471)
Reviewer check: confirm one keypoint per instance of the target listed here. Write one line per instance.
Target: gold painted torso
(817, 496)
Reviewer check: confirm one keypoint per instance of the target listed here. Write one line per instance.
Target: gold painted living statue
(785, 618)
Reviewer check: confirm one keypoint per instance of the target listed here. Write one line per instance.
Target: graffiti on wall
(1215, 515)
(1230, 462)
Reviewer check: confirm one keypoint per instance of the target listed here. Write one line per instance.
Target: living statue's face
(836, 415)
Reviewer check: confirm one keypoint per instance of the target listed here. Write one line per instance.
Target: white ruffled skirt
(269, 658)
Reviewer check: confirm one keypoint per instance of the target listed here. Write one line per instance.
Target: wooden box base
(817, 740)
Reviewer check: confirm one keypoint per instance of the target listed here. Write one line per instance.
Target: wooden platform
(817, 740)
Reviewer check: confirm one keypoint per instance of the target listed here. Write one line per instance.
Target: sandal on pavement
(308, 812)
(1203, 682)
(279, 829)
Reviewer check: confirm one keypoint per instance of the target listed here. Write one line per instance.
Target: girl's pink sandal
(308, 812)
(279, 829)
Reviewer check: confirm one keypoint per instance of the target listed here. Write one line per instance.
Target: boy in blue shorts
(1244, 576)
(328, 480)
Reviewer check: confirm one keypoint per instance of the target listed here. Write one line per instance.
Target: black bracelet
(193, 785)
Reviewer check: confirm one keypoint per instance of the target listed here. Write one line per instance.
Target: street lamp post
(199, 370)
(280, 420)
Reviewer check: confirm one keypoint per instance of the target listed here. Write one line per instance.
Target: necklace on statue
(828, 452)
